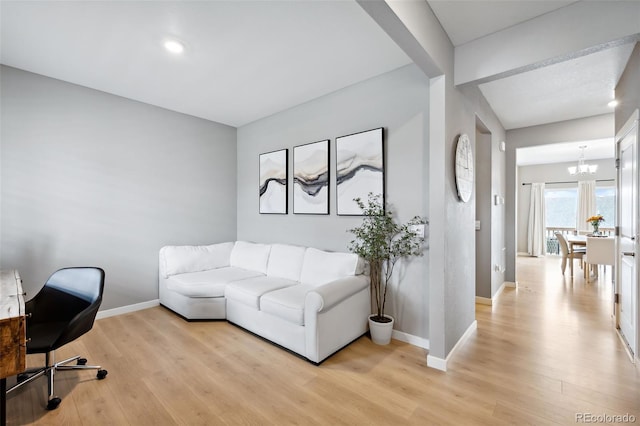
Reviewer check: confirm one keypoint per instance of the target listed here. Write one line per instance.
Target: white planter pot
(381, 331)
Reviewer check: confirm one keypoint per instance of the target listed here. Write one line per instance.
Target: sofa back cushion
(321, 267)
(285, 261)
(180, 259)
(250, 256)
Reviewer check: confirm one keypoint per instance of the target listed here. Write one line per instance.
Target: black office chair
(63, 310)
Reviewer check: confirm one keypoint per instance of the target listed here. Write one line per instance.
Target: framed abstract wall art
(273, 182)
(311, 178)
(359, 169)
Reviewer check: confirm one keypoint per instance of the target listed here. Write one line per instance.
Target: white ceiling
(245, 60)
(581, 87)
(465, 20)
(565, 152)
(576, 88)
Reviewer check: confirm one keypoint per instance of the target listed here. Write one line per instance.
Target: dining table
(574, 241)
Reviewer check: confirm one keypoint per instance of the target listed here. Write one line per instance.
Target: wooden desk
(12, 333)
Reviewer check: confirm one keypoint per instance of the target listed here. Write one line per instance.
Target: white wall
(94, 179)
(397, 101)
(552, 173)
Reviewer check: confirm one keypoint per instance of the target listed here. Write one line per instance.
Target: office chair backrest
(84, 283)
(71, 296)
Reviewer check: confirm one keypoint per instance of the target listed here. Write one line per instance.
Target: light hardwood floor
(542, 354)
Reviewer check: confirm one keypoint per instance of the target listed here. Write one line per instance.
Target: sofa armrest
(324, 297)
(181, 259)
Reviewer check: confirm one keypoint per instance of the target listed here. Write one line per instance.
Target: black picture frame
(273, 191)
(311, 178)
(359, 169)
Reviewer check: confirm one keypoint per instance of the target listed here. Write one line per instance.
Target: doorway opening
(567, 201)
(483, 211)
(490, 213)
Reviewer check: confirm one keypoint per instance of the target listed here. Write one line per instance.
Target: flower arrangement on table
(595, 221)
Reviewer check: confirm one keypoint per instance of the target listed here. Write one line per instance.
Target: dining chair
(564, 248)
(600, 251)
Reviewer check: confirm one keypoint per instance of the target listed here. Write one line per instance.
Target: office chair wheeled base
(50, 369)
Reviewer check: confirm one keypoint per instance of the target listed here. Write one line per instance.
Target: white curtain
(537, 228)
(586, 204)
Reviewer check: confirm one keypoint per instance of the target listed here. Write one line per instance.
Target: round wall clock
(464, 168)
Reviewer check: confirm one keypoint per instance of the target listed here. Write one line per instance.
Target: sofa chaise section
(309, 301)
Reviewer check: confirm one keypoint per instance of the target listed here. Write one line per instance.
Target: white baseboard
(441, 364)
(437, 363)
(626, 347)
(127, 309)
(486, 301)
(411, 339)
(420, 342)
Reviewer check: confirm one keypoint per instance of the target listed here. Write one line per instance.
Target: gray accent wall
(93, 179)
(483, 213)
(398, 101)
(465, 107)
(628, 90)
(454, 110)
(490, 185)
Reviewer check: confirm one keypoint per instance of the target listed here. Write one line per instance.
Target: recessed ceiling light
(174, 46)
(613, 104)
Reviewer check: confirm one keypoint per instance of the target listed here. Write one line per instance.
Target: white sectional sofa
(309, 301)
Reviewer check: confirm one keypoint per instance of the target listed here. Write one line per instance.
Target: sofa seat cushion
(250, 290)
(208, 283)
(286, 303)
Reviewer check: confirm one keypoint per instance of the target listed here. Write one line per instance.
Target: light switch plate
(418, 230)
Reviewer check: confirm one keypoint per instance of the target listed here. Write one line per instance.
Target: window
(606, 205)
(561, 207)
